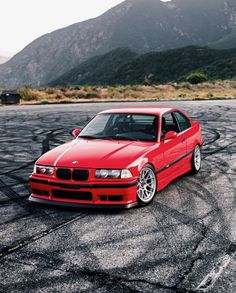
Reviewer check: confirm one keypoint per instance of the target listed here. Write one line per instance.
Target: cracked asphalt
(185, 241)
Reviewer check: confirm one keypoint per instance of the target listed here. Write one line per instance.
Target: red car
(121, 158)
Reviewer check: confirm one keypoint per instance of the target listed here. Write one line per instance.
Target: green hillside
(123, 67)
(97, 70)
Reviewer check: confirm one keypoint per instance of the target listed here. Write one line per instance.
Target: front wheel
(196, 159)
(147, 185)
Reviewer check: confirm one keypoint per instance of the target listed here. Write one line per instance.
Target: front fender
(137, 166)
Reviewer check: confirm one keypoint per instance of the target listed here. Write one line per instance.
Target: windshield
(122, 126)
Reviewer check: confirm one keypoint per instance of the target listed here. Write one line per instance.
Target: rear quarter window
(184, 123)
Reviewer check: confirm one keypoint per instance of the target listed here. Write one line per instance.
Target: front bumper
(89, 195)
(79, 205)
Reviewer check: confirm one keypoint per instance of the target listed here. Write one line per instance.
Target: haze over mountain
(3, 59)
(141, 25)
(97, 70)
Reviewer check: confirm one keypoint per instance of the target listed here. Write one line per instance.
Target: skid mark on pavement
(18, 245)
(198, 207)
(211, 278)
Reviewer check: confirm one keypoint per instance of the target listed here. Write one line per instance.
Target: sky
(22, 21)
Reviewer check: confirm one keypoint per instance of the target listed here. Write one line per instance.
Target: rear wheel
(147, 185)
(196, 159)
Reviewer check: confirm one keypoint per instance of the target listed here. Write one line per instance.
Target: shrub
(76, 88)
(27, 94)
(80, 96)
(209, 95)
(185, 85)
(197, 77)
(45, 101)
(92, 96)
(120, 89)
(70, 95)
(58, 97)
(50, 91)
(182, 95)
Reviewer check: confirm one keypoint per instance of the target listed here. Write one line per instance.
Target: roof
(160, 110)
(9, 93)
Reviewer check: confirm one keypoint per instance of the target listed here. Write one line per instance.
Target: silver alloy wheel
(197, 158)
(146, 185)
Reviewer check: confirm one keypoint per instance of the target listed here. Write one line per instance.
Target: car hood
(96, 153)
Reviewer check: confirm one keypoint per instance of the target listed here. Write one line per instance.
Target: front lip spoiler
(79, 205)
(79, 186)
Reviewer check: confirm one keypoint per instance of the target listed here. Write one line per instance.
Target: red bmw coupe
(121, 158)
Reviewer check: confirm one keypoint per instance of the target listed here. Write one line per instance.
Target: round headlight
(41, 170)
(45, 170)
(115, 173)
(50, 171)
(104, 173)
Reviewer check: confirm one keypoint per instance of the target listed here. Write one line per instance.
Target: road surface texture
(185, 241)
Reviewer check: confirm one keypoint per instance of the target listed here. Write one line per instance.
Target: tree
(197, 77)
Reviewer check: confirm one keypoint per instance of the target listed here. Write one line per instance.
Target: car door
(174, 149)
(186, 130)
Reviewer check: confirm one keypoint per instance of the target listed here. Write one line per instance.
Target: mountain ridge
(4, 59)
(154, 67)
(142, 26)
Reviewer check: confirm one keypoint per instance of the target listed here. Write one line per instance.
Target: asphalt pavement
(185, 241)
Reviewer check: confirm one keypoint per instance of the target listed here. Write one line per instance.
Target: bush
(210, 95)
(92, 96)
(185, 85)
(59, 97)
(197, 77)
(50, 91)
(76, 88)
(45, 101)
(27, 94)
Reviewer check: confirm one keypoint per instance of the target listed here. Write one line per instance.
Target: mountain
(156, 67)
(141, 25)
(229, 41)
(3, 59)
(175, 65)
(98, 69)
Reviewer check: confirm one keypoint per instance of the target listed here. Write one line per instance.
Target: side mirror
(170, 135)
(76, 132)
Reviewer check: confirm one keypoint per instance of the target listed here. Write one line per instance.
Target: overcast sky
(22, 21)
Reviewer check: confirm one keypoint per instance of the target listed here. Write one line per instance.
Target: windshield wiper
(89, 136)
(116, 137)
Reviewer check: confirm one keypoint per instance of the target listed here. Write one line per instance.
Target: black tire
(196, 160)
(147, 186)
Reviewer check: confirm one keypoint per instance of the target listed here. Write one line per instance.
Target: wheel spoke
(197, 158)
(146, 185)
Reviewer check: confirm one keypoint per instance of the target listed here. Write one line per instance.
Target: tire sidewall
(140, 202)
(194, 169)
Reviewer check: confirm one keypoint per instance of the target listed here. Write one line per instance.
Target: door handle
(183, 140)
